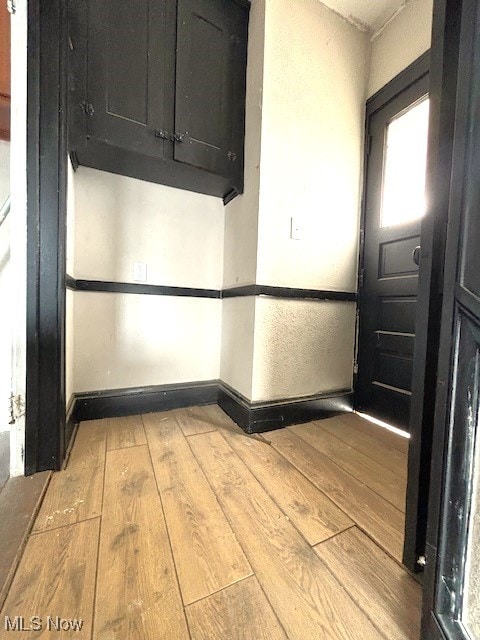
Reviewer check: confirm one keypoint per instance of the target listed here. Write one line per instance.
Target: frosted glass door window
(403, 195)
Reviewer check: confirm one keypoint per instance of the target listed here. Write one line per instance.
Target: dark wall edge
(103, 286)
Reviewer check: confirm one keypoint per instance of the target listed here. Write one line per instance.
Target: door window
(403, 193)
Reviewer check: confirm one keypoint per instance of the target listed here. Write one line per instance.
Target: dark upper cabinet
(158, 90)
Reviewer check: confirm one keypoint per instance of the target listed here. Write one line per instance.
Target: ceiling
(369, 15)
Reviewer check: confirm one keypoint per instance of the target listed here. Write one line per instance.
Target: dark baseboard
(253, 417)
(125, 402)
(266, 416)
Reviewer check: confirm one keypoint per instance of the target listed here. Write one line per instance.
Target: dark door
(130, 75)
(210, 84)
(394, 205)
(452, 598)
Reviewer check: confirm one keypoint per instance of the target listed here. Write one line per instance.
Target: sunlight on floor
(384, 425)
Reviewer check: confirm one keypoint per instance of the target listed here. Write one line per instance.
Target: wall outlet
(140, 271)
(296, 228)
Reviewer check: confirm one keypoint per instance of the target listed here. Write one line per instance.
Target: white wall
(18, 230)
(6, 325)
(120, 220)
(238, 331)
(241, 215)
(6, 317)
(402, 41)
(315, 73)
(4, 170)
(129, 340)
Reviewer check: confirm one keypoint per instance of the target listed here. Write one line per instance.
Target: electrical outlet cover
(140, 271)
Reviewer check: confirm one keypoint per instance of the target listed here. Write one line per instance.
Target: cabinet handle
(231, 156)
(163, 135)
(179, 137)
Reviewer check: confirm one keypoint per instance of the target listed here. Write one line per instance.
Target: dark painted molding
(112, 403)
(419, 68)
(288, 293)
(257, 417)
(253, 417)
(141, 288)
(70, 282)
(232, 292)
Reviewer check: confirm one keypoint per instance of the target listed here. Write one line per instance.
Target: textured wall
(241, 215)
(129, 340)
(302, 347)
(120, 220)
(238, 328)
(401, 42)
(315, 73)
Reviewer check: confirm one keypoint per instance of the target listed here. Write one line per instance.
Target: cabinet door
(130, 82)
(207, 85)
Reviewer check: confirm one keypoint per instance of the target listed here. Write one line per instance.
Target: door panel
(208, 84)
(126, 90)
(388, 295)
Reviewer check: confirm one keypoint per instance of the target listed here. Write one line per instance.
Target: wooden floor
(177, 525)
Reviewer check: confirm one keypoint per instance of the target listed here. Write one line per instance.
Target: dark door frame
(426, 340)
(443, 85)
(46, 228)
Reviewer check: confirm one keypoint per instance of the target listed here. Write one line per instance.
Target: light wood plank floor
(178, 526)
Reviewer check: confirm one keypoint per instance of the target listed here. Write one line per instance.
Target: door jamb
(46, 229)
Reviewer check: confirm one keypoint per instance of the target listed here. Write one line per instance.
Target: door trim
(443, 86)
(46, 224)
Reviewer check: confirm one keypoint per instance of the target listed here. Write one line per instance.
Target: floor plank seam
(94, 610)
(62, 526)
(377, 435)
(386, 551)
(167, 530)
(217, 591)
(198, 434)
(322, 491)
(335, 535)
(280, 508)
(354, 600)
(351, 474)
(344, 442)
(4, 591)
(233, 529)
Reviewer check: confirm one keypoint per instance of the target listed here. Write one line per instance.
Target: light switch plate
(140, 271)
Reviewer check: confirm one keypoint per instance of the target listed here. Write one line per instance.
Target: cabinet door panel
(204, 90)
(127, 74)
